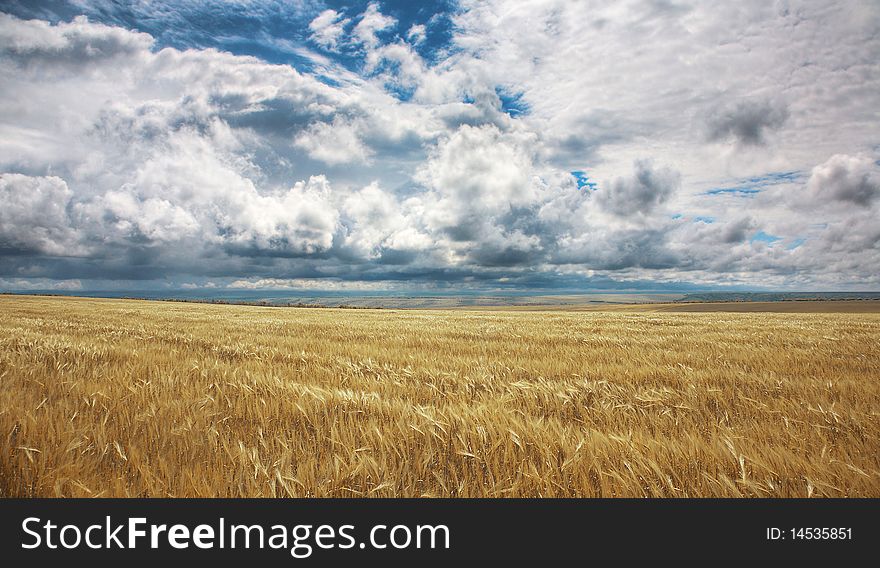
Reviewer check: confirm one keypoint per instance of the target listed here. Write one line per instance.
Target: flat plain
(137, 398)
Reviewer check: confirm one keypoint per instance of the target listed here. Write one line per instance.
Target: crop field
(136, 398)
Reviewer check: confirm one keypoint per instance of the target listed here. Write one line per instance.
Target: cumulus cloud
(34, 217)
(69, 46)
(647, 189)
(492, 158)
(333, 143)
(479, 171)
(381, 227)
(852, 180)
(738, 230)
(746, 122)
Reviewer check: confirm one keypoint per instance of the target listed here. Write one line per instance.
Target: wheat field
(137, 398)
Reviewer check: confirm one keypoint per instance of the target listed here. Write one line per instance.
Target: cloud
(372, 22)
(479, 171)
(34, 217)
(333, 143)
(738, 230)
(641, 194)
(305, 284)
(69, 46)
(842, 198)
(746, 122)
(155, 219)
(327, 29)
(381, 227)
(40, 284)
(853, 180)
(378, 152)
(416, 34)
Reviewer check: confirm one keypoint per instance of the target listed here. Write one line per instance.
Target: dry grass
(132, 398)
(788, 306)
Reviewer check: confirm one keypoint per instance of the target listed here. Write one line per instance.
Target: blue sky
(494, 145)
(269, 30)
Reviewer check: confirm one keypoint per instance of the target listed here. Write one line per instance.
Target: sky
(440, 145)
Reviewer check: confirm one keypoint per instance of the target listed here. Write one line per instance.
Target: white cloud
(30, 284)
(306, 284)
(380, 224)
(69, 44)
(372, 21)
(34, 215)
(327, 29)
(416, 34)
(480, 171)
(195, 164)
(333, 143)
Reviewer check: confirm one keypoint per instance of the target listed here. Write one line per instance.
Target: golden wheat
(134, 398)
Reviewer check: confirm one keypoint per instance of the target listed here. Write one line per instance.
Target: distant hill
(777, 296)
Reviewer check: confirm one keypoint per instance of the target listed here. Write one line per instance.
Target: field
(135, 398)
(786, 307)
